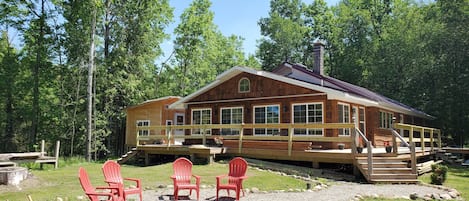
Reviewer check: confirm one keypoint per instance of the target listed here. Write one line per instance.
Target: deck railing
(422, 139)
(169, 136)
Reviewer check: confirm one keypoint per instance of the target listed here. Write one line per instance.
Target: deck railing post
(42, 149)
(422, 139)
(354, 140)
(240, 141)
(204, 137)
(439, 139)
(394, 144)
(168, 135)
(369, 150)
(413, 159)
(290, 139)
(411, 134)
(431, 140)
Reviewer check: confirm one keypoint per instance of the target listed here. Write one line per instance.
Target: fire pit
(12, 175)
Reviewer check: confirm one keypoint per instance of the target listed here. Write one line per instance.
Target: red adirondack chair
(182, 176)
(112, 176)
(235, 177)
(113, 193)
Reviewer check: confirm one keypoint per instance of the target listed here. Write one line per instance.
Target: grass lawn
(64, 183)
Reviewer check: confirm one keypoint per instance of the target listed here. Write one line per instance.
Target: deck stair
(130, 154)
(387, 169)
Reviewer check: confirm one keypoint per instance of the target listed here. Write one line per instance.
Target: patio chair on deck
(112, 176)
(182, 168)
(235, 177)
(113, 193)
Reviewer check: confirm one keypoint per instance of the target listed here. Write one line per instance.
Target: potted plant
(359, 149)
(341, 146)
(387, 146)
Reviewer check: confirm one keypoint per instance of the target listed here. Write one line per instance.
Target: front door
(179, 119)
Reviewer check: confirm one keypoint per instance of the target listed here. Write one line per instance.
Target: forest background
(416, 52)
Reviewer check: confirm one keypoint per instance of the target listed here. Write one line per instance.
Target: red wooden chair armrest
(197, 179)
(135, 180)
(220, 177)
(108, 187)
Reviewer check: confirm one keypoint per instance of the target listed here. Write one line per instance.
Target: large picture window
(269, 114)
(344, 117)
(308, 113)
(233, 115)
(201, 116)
(145, 132)
(385, 119)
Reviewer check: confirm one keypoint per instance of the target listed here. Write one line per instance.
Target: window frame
(385, 119)
(307, 118)
(231, 120)
(141, 133)
(198, 131)
(266, 130)
(345, 118)
(241, 87)
(362, 121)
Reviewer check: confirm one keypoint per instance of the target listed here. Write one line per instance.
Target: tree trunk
(90, 85)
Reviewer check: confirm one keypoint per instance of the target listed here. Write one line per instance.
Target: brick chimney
(318, 49)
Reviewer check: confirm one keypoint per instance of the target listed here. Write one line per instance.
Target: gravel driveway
(339, 191)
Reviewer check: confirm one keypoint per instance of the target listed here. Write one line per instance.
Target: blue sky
(238, 17)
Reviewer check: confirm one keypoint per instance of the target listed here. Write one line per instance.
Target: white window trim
(231, 118)
(343, 121)
(254, 117)
(387, 124)
(364, 119)
(192, 120)
(239, 85)
(141, 132)
(308, 103)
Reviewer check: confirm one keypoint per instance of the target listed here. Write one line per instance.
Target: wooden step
(391, 170)
(393, 176)
(385, 165)
(396, 181)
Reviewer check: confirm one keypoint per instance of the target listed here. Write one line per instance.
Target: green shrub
(438, 175)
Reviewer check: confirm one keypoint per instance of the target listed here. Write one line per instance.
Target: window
(143, 123)
(344, 117)
(385, 119)
(308, 113)
(244, 85)
(201, 116)
(266, 115)
(233, 115)
(361, 120)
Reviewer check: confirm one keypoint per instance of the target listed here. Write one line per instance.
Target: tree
(284, 34)
(201, 51)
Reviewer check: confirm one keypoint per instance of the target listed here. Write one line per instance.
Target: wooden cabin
(292, 113)
(292, 93)
(151, 113)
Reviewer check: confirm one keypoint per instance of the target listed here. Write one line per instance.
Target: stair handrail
(395, 133)
(369, 151)
(361, 134)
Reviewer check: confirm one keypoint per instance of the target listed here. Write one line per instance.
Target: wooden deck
(375, 164)
(12, 159)
(344, 156)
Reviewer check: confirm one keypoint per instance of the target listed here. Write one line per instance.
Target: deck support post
(315, 165)
(147, 159)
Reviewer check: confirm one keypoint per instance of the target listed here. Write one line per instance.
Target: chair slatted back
(182, 168)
